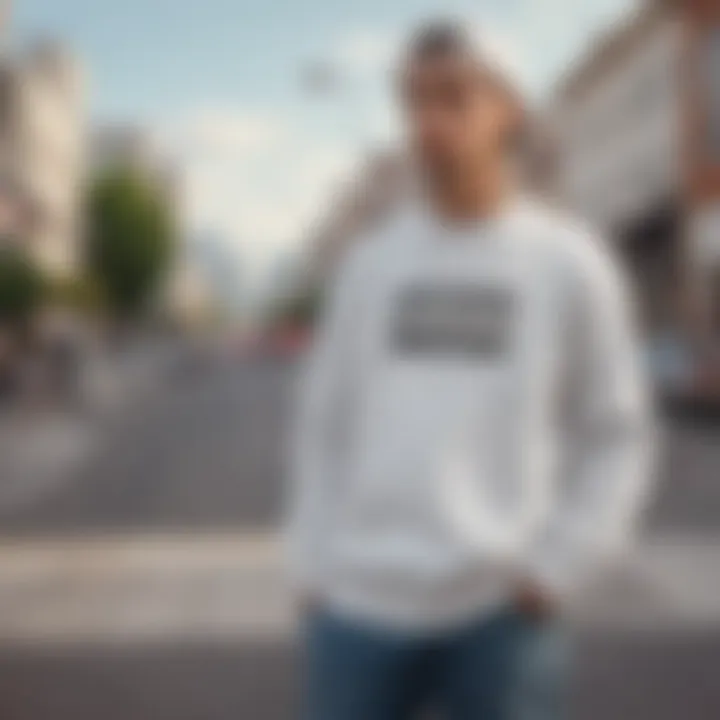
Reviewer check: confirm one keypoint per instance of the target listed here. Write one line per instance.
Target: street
(142, 580)
(198, 454)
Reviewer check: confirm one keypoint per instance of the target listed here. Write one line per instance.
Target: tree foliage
(131, 239)
(80, 293)
(21, 285)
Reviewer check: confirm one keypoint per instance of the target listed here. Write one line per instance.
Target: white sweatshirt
(472, 414)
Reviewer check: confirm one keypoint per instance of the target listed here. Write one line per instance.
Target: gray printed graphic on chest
(454, 320)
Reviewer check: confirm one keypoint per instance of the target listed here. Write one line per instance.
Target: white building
(618, 121)
(42, 150)
(188, 296)
(626, 120)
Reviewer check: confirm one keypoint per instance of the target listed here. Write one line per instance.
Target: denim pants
(504, 666)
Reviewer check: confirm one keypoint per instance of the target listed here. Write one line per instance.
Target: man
(472, 442)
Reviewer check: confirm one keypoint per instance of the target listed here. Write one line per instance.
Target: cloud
(256, 180)
(227, 131)
(548, 36)
(365, 51)
(258, 177)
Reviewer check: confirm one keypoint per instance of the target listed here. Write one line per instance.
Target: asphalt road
(205, 456)
(204, 453)
(207, 452)
(616, 679)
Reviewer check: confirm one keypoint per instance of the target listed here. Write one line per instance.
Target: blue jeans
(502, 667)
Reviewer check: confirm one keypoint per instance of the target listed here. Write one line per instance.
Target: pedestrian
(473, 437)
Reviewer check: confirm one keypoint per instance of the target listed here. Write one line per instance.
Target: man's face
(456, 114)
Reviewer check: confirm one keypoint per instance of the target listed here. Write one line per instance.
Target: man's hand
(534, 601)
(306, 604)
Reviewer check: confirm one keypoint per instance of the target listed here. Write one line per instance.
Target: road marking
(120, 590)
(230, 588)
(110, 554)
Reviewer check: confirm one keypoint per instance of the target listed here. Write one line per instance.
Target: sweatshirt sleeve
(607, 430)
(321, 416)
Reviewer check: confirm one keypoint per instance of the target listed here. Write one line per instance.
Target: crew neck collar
(471, 226)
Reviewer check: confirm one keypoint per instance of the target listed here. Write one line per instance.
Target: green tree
(21, 285)
(131, 239)
(79, 293)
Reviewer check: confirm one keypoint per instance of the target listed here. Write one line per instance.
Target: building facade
(701, 94)
(618, 118)
(42, 153)
(637, 123)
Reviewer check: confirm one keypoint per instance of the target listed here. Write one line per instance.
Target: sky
(219, 82)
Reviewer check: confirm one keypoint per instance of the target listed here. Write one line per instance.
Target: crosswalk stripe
(115, 589)
(229, 587)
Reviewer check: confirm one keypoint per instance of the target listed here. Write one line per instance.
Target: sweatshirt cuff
(545, 574)
(553, 572)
